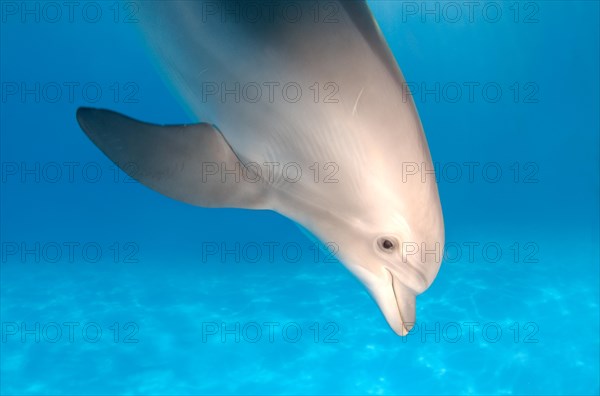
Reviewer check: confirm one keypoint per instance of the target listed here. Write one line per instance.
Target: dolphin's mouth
(398, 304)
(401, 293)
(395, 299)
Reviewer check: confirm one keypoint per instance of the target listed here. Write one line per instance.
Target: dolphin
(309, 88)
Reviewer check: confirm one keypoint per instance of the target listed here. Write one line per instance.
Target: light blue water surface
(532, 308)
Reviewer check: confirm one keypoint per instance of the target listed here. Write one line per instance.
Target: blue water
(514, 309)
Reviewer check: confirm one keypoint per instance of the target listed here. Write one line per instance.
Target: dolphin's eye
(386, 244)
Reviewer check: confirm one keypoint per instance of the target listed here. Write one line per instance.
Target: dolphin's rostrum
(312, 84)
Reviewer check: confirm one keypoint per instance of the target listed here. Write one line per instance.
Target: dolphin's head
(395, 263)
(392, 240)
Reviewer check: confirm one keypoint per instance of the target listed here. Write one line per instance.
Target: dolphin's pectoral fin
(190, 163)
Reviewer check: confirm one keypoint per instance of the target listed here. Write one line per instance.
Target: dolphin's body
(354, 135)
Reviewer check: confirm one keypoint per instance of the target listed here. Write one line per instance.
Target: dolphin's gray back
(361, 97)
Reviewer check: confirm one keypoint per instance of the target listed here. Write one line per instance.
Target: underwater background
(110, 288)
